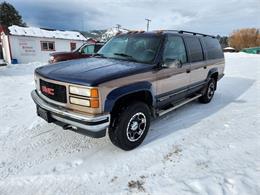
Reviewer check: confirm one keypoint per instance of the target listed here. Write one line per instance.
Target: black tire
(131, 125)
(208, 93)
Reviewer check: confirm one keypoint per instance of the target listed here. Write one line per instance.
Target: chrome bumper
(93, 126)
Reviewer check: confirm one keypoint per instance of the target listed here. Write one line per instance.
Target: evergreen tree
(9, 15)
(223, 41)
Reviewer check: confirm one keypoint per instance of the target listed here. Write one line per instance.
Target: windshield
(137, 48)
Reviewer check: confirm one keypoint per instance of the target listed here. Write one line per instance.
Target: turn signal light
(94, 103)
(94, 93)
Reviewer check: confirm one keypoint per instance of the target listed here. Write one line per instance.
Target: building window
(47, 46)
(73, 46)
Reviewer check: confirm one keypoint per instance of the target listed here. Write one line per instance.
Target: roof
(38, 32)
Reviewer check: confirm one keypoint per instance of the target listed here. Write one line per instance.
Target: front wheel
(130, 126)
(209, 92)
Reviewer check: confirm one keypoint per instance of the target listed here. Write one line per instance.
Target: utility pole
(148, 24)
(118, 26)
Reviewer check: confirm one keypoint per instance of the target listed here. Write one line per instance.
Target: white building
(30, 44)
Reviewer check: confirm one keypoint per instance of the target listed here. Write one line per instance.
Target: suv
(85, 51)
(133, 78)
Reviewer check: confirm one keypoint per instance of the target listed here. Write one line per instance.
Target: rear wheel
(130, 127)
(208, 92)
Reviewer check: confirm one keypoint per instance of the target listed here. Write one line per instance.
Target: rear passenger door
(198, 71)
(172, 82)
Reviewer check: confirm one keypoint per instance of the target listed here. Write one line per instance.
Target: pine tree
(9, 15)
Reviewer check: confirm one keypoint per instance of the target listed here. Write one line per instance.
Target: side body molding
(117, 93)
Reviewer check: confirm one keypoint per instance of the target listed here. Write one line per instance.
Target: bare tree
(245, 38)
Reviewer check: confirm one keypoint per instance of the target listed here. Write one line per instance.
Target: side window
(195, 49)
(213, 48)
(97, 48)
(89, 49)
(47, 46)
(174, 49)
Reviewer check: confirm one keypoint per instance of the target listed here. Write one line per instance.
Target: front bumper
(93, 126)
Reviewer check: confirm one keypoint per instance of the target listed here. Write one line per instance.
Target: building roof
(38, 32)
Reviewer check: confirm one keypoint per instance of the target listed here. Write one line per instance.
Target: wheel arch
(141, 91)
(213, 73)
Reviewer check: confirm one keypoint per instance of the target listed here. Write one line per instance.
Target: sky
(205, 16)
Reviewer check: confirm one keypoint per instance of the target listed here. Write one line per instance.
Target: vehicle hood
(91, 71)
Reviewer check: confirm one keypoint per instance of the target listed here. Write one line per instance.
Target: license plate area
(44, 114)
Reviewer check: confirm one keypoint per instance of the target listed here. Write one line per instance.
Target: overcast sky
(207, 16)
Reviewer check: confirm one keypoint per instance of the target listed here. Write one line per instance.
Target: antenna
(148, 24)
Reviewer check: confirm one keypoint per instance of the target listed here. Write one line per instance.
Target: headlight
(89, 96)
(52, 58)
(87, 92)
(81, 102)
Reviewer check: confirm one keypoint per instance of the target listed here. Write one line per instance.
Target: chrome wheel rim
(136, 127)
(211, 90)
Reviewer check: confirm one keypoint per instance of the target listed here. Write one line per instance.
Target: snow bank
(210, 149)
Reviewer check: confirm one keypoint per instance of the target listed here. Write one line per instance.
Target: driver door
(174, 78)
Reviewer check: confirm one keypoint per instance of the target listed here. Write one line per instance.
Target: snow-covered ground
(210, 149)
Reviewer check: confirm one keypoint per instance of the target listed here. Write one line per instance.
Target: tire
(208, 92)
(130, 127)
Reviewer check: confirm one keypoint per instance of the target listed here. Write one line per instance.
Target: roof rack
(193, 33)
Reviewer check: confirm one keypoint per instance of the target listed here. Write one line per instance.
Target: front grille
(53, 91)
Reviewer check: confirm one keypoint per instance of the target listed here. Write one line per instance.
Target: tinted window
(174, 49)
(213, 48)
(195, 49)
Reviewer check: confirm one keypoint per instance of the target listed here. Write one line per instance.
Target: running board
(163, 112)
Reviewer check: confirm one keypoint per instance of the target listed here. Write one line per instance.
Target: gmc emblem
(48, 90)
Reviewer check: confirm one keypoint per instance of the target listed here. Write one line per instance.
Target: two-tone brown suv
(134, 77)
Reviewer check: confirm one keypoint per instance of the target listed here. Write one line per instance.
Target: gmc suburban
(134, 77)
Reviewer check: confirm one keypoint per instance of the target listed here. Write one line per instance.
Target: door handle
(188, 71)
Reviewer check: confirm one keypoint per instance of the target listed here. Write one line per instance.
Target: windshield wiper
(125, 55)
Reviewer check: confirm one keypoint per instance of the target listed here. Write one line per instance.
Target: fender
(211, 72)
(117, 93)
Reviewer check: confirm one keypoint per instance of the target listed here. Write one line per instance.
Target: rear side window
(213, 48)
(195, 49)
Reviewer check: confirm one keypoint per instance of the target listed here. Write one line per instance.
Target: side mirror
(171, 63)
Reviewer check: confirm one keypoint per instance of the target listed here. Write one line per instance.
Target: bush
(244, 38)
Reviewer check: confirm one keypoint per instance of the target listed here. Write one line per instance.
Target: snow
(2, 62)
(228, 48)
(38, 32)
(111, 32)
(206, 149)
